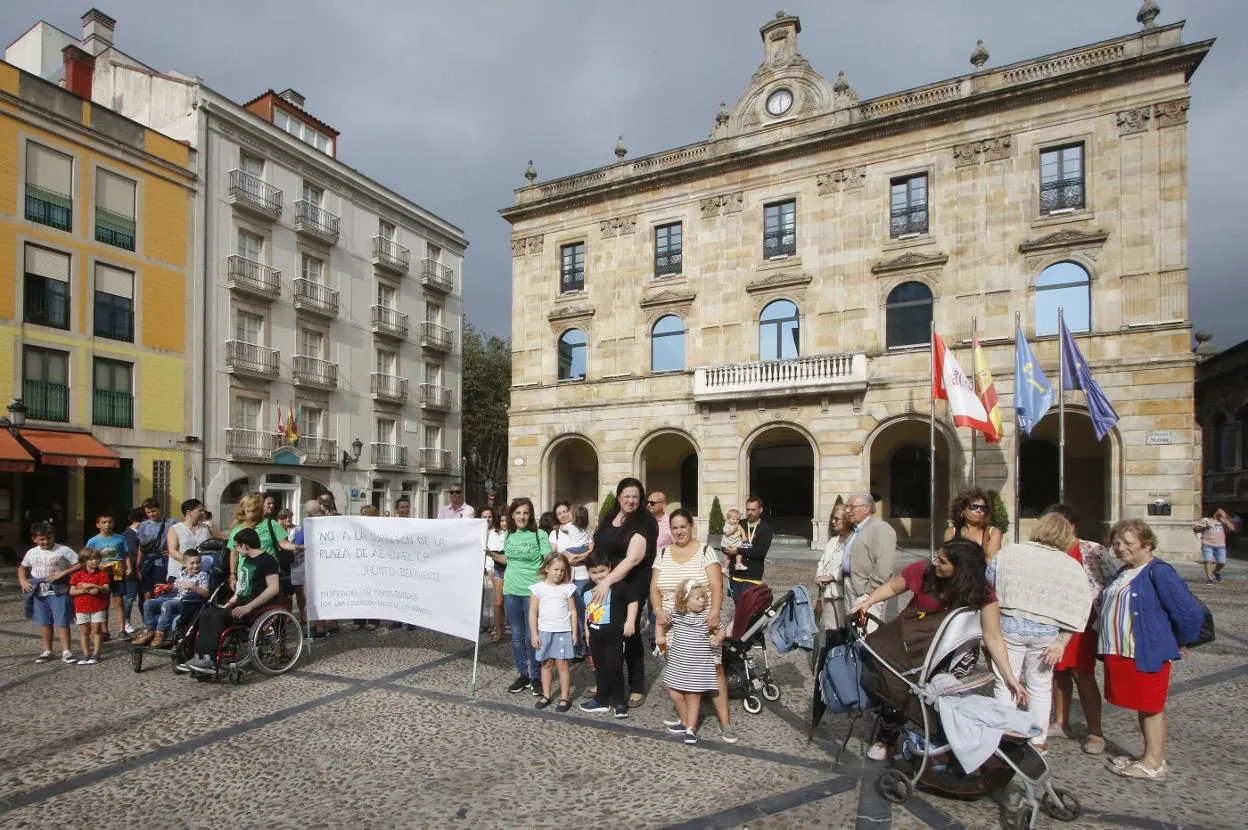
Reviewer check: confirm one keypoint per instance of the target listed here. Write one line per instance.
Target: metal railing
(250, 358)
(390, 254)
(112, 409)
(46, 401)
(251, 191)
(436, 335)
(1063, 194)
(436, 275)
(432, 458)
(312, 371)
(388, 455)
(250, 443)
(114, 228)
(47, 207)
(253, 277)
(668, 262)
(904, 221)
(572, 279)
(433, 395)
(314, 297)
(390, 387)
(780, 243)
(389, 320)
(320, 451)
(314, 219)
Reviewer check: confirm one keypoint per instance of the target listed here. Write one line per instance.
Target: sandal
(495, 637)
(563, 705)
(542, 702)
(1094, 745)
(635, 700)
(1138, 770)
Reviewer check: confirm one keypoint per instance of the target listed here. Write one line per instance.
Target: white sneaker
(68, 657)
(727, 735)
(44, 656)
(129, 630)
(877, 752)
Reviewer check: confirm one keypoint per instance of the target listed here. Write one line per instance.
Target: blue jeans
(517, 610)
(130, 593)
(582, 585)
(160, 613)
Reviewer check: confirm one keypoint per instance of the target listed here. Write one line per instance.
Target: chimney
(291, 97)
(79, 70)
(97, 31)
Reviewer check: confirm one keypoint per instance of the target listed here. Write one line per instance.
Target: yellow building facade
(96, 266)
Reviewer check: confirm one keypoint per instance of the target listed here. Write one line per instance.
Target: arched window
(667, 344)
(1037, 465)
(572, 350)
(908, 480)
(908, 315)
(1063, 285)
(778, 330)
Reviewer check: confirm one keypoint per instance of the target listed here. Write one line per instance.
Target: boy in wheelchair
(257, 585)
(187, 592)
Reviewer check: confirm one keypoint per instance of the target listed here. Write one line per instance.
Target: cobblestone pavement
(379, 730)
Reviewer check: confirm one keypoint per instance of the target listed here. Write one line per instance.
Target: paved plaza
(379, 730)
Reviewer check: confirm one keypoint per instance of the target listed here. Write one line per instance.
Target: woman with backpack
(1147, 615)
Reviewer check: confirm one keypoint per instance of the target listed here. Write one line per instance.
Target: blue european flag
(1077, 375)
(1033, 396)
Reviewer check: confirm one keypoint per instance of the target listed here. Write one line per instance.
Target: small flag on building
(1033, 396)
(292, 428)
(987, 391)
(950, 383)
(1077, 375)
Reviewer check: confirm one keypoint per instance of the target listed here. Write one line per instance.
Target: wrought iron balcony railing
(114, 228)
(316, 221)
(314, 372)
(250, 443)
(47, 207)
(250, 277)
(388, 455)
(315, 298)
(904, 221)
(434, 396)
(389, 321)
(252, 193)
(112, 409)
(436, 275)
(1062, 195)
(436, 336)
(246, 358)
(780, 243)
(388, 387)
(667, 263)
(432, 458)
(391, 255)
(46, 401)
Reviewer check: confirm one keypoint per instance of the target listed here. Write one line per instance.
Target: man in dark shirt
(257, 585)
(753, 550)
(607, 624)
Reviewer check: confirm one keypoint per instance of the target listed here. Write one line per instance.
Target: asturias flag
(949, 383)
(1077, 375)
(987, 392)
(1032, 393)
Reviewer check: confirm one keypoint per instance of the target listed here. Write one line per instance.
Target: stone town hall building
(750, 313)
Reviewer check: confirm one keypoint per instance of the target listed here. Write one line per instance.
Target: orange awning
(70, 449)
(13, 456)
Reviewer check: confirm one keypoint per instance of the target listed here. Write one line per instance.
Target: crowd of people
(565, 591)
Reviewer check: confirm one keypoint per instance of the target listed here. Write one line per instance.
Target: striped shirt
(1117, 635)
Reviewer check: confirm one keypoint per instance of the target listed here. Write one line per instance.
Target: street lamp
(348, 458)
(17, 413)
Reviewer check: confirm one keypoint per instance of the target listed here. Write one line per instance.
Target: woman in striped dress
(690, 668)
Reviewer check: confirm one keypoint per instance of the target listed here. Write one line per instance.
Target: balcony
(315, 221)
(112, 409)
(314, 298)
(242, 358)
(313, 372)
(781, 378)
(388, 387)
(254, 195)
(388, 455)
(46, 401)
(1061, 196)
(436, 336)
(434, 460)
(908, 221)
(437, 276)
(249, 444)
(389, 322)
(246, 276)
(318, 452)
(390, 255)
(434, 396)
(114, 228)
(47, 207)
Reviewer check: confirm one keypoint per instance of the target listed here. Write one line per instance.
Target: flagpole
(1061, 409)
(931, 443)
(1018, 435)
(974, 344)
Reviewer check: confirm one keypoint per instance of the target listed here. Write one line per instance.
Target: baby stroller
(755, 610)
(916, 678)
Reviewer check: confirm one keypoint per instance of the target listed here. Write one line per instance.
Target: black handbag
(1207, 633)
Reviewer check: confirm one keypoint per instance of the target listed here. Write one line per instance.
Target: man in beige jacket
(870, 551)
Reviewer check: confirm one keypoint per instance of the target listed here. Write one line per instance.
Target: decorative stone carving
(619, 226)
(528, 245)
(909, 261)
(530, 173)
(988, 149)
(1172, 113)
(1133, 121)
(571, 312)
(1148, 14)
(849, 178)
(781, 279)
(1066, 238)
(722, 204)
(668, 298)
(980, 56)
(620, 149)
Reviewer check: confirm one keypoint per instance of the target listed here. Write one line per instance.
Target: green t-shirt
(270, 533)
(525, 554)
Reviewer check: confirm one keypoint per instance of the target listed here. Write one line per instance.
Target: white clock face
(778, 102)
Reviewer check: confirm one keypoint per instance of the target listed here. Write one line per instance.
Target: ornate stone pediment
(780, 279)
(668, 298)
(568, 313)
(909, 261)
(1066, 238)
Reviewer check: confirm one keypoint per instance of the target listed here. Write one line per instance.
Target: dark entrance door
(784, 477)
(110, 491)
(45, 498)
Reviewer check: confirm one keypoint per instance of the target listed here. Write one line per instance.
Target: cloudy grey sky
(447, 101)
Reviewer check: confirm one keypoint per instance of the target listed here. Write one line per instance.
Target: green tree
(1000, 518)
(486, 398)
(608, 504)
(716, 520)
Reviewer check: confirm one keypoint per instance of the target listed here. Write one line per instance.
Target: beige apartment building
(750, 313)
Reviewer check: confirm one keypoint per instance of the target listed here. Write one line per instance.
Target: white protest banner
(426, 572)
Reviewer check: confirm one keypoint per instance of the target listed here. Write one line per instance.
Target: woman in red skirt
(1147, 612)
(1077, 669)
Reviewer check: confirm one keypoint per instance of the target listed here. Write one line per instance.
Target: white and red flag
(950, 383)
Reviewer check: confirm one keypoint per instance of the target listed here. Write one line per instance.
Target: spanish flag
(987, 392)
(292, 429)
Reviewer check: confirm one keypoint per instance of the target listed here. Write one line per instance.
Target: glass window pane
(572, 355)
(1063, 285)
(779, 310)
(668, 345)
